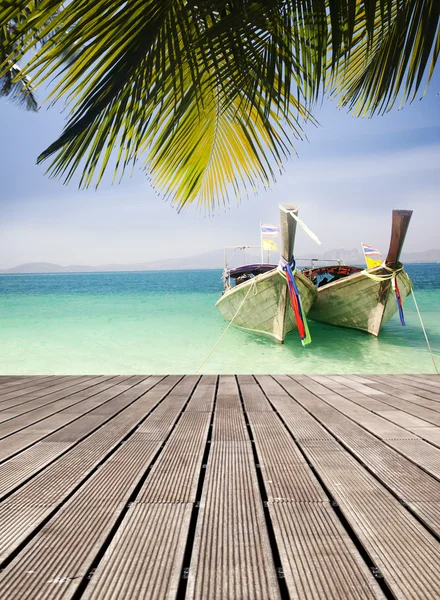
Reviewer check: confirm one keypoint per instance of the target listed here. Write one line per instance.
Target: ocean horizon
(158, 322)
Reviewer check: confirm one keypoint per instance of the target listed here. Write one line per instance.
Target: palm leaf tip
(18, 90)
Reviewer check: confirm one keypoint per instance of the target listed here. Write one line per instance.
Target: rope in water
(229, 324)
(393, 273)
(425, 334)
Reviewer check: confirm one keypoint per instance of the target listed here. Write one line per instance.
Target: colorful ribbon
(398, 300)
(295, 299)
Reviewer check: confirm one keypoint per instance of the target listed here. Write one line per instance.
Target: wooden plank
(395, 541)
(94, 509)
(58, 403)
(319, 560)
(430, 512)
(174, 477)
(48, 401)
(417, 450)
(357, 393)
(395, 384)
(203, 397)
(397, 473)
(425, 427)
(311, 540)
(6, 378)
(24, 465)
(22, 403)
(286, 473)
(420, 453)
(231, 554)
(421, 383)
(405, 420)
(38, 390)
(87, 477)
(20, 383)
(253, 397)
(393, 395)
(427, 410)
(145, 559)
(23, 382)
(428, 379)
(31, 504)
(102, 393)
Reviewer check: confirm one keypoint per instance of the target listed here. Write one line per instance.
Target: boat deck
(227, 487)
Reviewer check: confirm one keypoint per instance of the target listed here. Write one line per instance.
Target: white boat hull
(359, 302)
(266, 308)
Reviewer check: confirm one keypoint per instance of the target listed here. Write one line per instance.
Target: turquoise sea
(166, 322)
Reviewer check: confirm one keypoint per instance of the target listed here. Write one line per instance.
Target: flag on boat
(373, 257)
(268, 245)
(269, 230)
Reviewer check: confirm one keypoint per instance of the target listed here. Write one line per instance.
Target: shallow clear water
(166, 322)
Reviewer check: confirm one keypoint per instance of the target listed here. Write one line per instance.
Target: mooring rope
(252, 286)
(392, 276)
(229, 324)
(425, 334)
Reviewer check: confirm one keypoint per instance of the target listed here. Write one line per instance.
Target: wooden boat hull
(267, 308)
(359, 302)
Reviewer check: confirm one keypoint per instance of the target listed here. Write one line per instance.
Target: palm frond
(224, 150)
(210, 95)
(393, 61)
(123, 70)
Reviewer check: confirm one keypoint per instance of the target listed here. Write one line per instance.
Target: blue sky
(348, 177)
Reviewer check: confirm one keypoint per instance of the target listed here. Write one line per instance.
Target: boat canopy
(251, 270)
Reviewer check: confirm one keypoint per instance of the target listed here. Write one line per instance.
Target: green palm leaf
(393, 61)
(210, 95)
(13, 83)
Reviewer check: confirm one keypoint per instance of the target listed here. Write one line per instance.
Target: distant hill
(421, 257)
(209, 260)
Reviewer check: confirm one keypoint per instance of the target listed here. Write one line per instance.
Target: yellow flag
(268, 244)
(372, 264)
(373, 257)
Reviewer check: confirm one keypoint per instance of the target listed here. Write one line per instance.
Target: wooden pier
(232, 488)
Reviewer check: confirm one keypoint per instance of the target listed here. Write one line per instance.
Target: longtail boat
(364, 299)
(270, 299)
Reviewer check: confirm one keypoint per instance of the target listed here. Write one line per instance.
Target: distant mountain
(210, 260)
(421, 257)
(46, 268)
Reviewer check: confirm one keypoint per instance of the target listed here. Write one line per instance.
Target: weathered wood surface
(359, 302)
(220, 487)
(265, 304)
